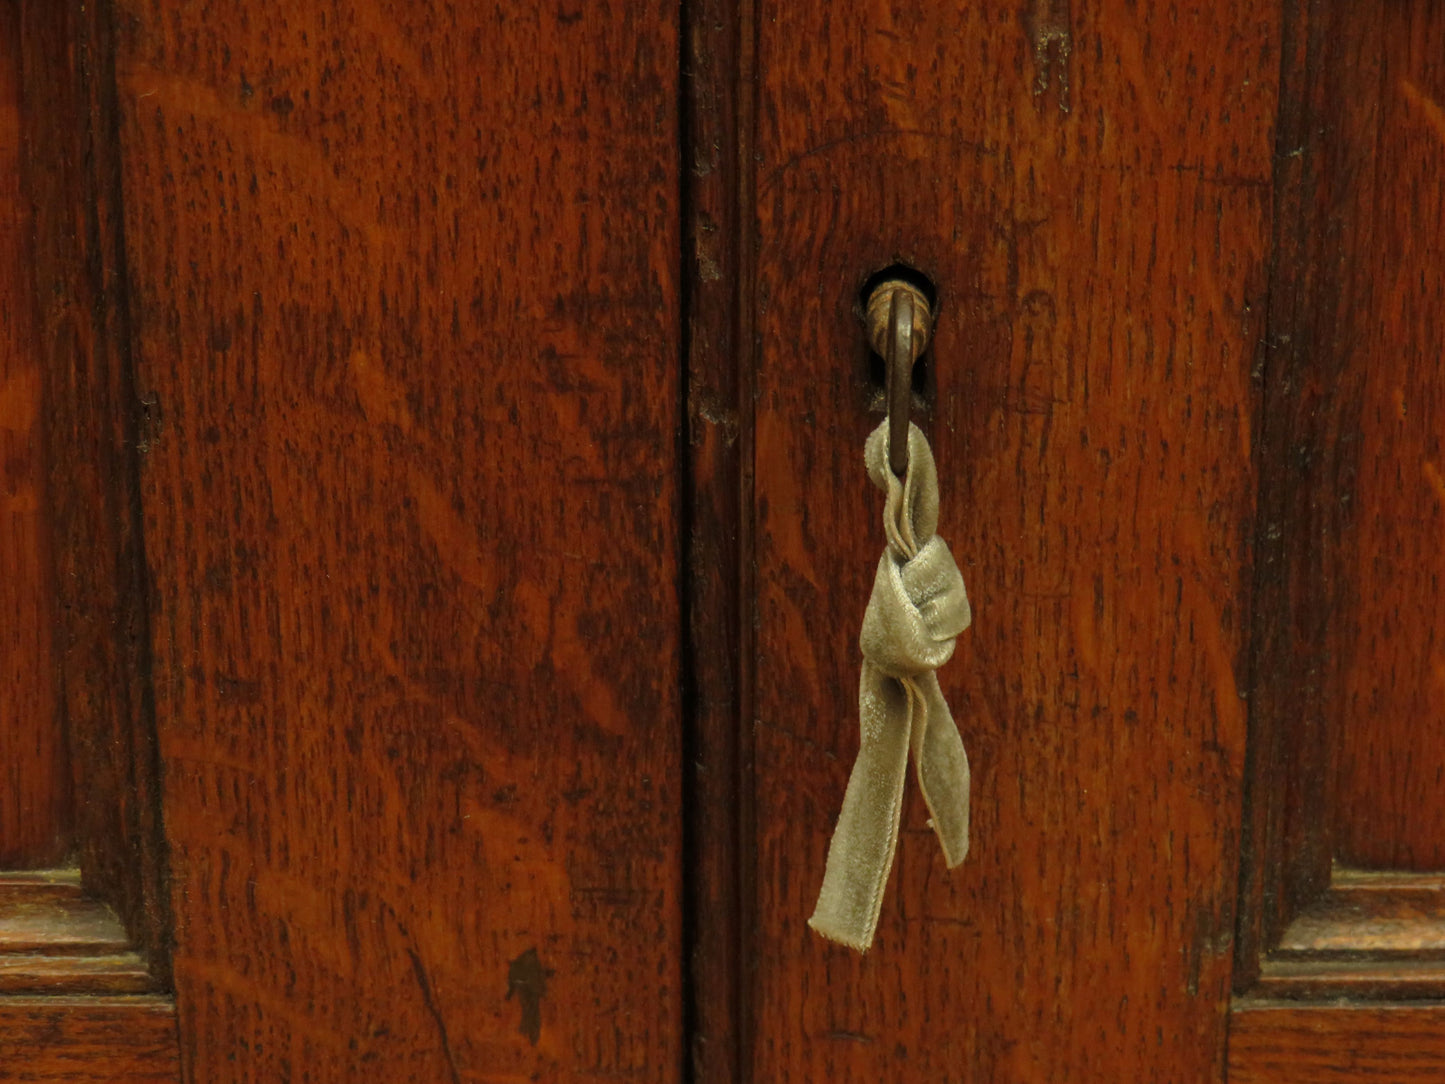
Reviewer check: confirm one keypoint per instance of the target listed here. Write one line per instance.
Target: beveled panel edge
(55, 940)
(1371, 935)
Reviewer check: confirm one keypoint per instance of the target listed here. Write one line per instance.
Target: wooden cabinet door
(436, 538)
(1186, 397)
(383, 304)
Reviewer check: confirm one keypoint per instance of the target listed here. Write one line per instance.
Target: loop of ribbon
(917, 609)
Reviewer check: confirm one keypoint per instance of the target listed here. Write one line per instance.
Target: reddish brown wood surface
(717, 267)
(93, 1040)
(1089, 187)
(1338, 1044)
(1286, 840)
(1344, 764)
(1389, 113)
(405, 282)
(33, 789)
(82, 341)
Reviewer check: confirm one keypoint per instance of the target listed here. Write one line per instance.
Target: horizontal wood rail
(1288, 1043)
(110, 1039)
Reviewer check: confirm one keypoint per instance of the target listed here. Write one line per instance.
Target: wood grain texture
(1389, 113)
(100, 620)
(1286, 838)
(1338, 1044)
(405, 281)
(1089, 187)
(717, 265)
(34, 793)
(1344, 764)
(93, 1040)
(123, 972)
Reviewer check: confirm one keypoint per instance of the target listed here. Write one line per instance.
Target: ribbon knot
(917, 609)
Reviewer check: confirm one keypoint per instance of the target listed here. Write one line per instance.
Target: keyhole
(923, 387)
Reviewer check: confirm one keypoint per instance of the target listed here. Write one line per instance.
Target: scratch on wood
(431, 1006)
(1434, 115)
(1048, 26)
(527, 978)
(850, 1036)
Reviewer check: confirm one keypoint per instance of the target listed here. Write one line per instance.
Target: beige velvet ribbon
(917, 608)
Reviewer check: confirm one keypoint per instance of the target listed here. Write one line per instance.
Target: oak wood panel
(1389, 112)
(405, 283)
(1336, 1044)
(1089, 187)
(92, 1040)
(1344, 701)
(33, 771)
(100, 618)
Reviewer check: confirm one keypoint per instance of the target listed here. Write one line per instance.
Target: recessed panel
(1390, 636)
(32, 763)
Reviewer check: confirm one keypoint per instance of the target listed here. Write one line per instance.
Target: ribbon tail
(942, 767)
(860, 856)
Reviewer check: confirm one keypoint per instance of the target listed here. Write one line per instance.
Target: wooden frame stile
(1339, 973)
(717, 352)
(84, 953)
